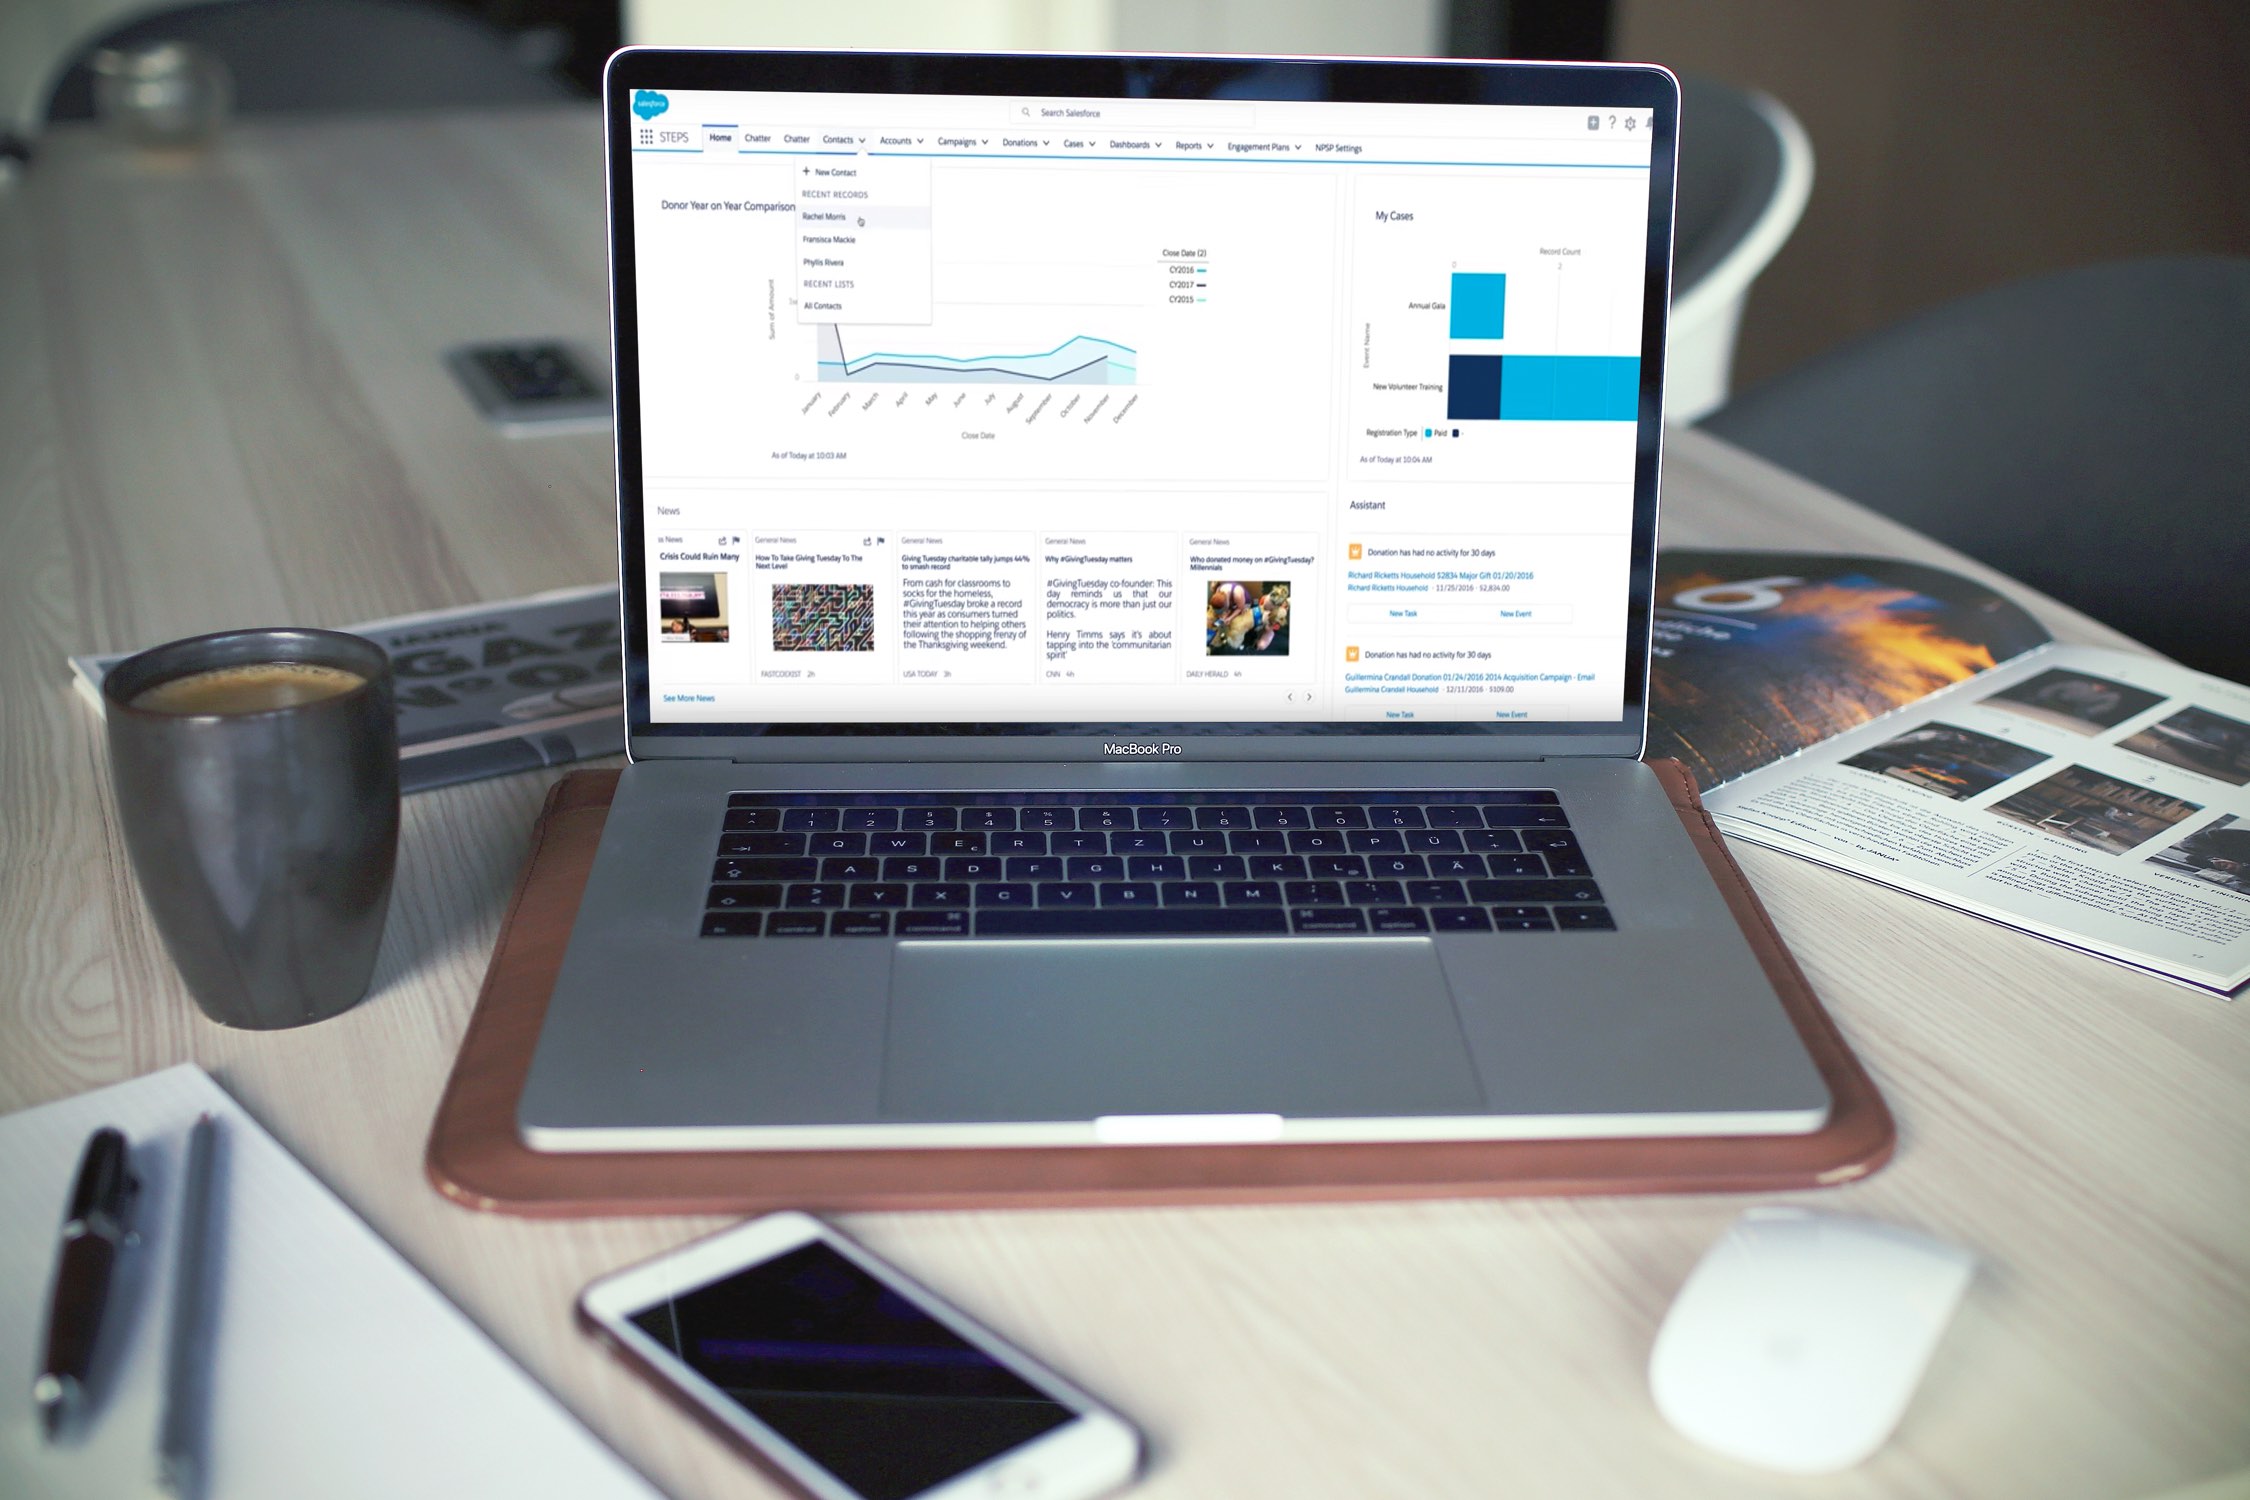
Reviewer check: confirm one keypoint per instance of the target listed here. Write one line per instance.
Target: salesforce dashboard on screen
(961, 409)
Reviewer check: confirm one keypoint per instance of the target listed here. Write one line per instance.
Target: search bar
(1133, 114)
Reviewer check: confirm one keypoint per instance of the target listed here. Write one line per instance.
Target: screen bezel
(1602, 85)
(1094, 1451)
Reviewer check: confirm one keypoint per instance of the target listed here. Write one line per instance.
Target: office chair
(2087, 432)
(321, 55)
(1746, 169)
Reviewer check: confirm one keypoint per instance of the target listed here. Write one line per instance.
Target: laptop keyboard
(1155, 864)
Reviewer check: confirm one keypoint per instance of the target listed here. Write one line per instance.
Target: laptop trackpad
(1070, 1031)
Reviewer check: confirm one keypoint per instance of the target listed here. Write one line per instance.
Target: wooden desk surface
(221, 404)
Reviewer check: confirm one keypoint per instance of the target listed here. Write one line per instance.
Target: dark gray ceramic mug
(264, 842)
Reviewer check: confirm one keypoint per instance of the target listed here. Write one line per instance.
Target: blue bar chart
(1542, 388)
(1479, 306)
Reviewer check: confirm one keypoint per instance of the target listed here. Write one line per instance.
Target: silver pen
(187, 1356)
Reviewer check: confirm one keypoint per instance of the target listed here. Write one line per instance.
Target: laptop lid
(1043, 407)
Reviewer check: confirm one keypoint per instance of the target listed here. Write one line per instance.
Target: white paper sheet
(337, 1371)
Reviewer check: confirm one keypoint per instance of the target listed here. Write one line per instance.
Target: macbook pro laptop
(1137, 586)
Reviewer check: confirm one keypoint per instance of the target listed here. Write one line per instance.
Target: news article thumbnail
(2097, 811)
(2195, 739)
(2076, 701)
(2219, 853)
(692, 607)
(823, 617)
(1246, 618)
(1951, 761)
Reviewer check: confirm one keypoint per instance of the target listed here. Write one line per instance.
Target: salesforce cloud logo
(648, 103)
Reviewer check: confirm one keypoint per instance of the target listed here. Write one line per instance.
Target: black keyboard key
(1434, 841)
(1561, 840)
(932, 924)
(743, 819)
(1568, 864)
(1435, 892)
(886, 894)
(957, 843)
(761, 843)
(1129, 893)
(1288, 819)
(1460, 919)
(1373, 892)
(816, 894)
(1585, 919)
(836, 843)
(1456, 866)
(1222, 817)
(1335, 866)
(973, 867)
(1519, 911)
(1538, 921)
(1257, 841)
(1517, 866)
(942, 893)
(913, 867)
(1315, 893)
(1019, 843)
(1493, 840)
(1198, 841)
(797, 924)
(733, 923)
(1078, 843)
(870, 819)
(898, 843)
(1216, 867)
(1395, 815)
(1275, 866)
(810, 819)
(860, 924)
(1156, 867)
(929, 818)
(1006, 893)
(1375, 841)
(1068, 893)
(1127, 921)
(769, 869)
(1396, 919)
(1191, 893)
(1048, 818)
(1167, 817)
(1105, 817)
(989, 819)
(1253, 893)
(1138, 843)
(851, 867)
(1455, 815)
(1096, 867)
(1492, 891)
(1338, 817)
(736, 897)
(1035, 867)
(1317, 841)
(1525, 817)
(1395, 866)
(1327, 919)
(755, 799)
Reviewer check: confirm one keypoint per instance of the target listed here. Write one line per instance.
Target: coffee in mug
(254, 688)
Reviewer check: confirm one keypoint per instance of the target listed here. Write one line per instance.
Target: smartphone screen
(865, 1383)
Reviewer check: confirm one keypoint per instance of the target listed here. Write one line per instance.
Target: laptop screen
(1028, 411)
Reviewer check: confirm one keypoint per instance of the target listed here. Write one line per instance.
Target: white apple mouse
(1799, 1337)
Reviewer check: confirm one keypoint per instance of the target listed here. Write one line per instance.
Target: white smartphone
(842, 1377)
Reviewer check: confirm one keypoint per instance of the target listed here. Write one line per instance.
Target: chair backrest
(317, 55)
(1746, 169)
(2087, 432)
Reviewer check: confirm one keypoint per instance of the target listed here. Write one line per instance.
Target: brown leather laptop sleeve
(476, 1158)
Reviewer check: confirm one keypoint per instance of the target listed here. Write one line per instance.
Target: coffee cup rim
(145, 669)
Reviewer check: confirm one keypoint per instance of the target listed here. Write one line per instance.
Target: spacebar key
(1127, 921)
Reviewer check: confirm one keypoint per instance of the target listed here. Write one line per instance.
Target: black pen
(94, 1229)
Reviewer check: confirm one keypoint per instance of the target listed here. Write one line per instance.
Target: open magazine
(490, 688)
(2096, 798)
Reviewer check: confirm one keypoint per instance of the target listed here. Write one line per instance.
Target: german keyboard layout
(1154, 864)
